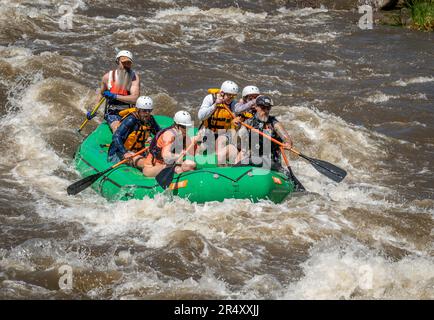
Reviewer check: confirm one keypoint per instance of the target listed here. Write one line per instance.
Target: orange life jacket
(221, 118)
(157, 145)
(136, 140)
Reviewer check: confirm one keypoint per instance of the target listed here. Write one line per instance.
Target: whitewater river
(361, 99)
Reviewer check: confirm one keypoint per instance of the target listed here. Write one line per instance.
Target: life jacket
(247, 115)
(136, 140)
(126, 112)
(221, 118)
(267, 128)
(157, 145)
(114, 87)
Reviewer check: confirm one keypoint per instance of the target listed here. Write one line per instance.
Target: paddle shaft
(93, 112)
(285, 158)
(84, 183)
(126, 160)
(165, 177)
(183, 153)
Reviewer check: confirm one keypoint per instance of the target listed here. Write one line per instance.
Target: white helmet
(144, 103)
(229, 87)
(250, 90)
(124, 53)
(183, 118)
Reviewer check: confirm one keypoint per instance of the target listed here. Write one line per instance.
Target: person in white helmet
(255, 146)
(120, 87)
(212, 113)
(133, 133)
(248, 100)
(167, 145)
(216, 118)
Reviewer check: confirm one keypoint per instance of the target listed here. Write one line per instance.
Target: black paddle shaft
(82, 184)
(326, 168)
(297, 184)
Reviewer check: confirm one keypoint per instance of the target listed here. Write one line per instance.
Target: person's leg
(138, 162)
(113, 120)
(187, 165)
(226, 151)
(115, 125)
(221, 149)
(232, 153)
(242, 157)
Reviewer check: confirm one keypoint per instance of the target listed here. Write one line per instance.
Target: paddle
(329, 170)
(82, 184)
(93, 112)
(165, 177)
(297, 184)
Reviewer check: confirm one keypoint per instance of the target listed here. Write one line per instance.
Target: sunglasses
(265, 107)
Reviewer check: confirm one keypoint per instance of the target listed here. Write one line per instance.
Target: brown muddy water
(361, 99)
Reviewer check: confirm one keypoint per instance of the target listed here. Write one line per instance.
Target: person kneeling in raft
(166, 143)
(133, 133)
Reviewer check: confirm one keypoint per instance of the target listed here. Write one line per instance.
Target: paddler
(254, 148)
(120, 87)
(134, 132)
(219, 121)
(248, 100)
(167, 146)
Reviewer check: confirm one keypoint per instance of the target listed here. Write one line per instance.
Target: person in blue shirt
(133, 133)
(120, 87)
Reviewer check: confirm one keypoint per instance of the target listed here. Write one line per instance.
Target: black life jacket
(267, 128)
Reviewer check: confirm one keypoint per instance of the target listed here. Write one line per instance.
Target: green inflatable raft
(208, 183)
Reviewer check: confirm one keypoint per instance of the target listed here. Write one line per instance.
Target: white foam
(354, 271)
(321, 37)
(416, 80)
(380, 97)
(301, 12)
(232, 15)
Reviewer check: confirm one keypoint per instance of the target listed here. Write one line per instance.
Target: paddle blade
(329, 170)
(82, 184)
(298, 187)
(164, 178)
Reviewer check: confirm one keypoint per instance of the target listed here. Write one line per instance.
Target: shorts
(112, 113)
(150, 163)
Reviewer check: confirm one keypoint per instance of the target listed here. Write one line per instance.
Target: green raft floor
(207, 183)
